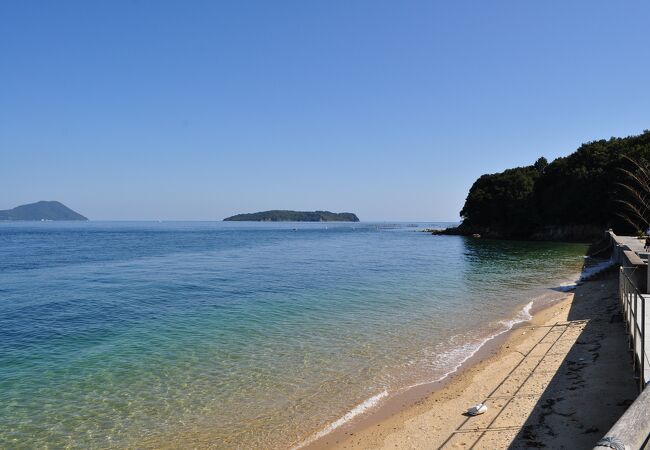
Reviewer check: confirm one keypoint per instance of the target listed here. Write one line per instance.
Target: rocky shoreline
(568, 233)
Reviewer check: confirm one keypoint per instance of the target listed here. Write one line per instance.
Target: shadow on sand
(572, 383)
(594, 383)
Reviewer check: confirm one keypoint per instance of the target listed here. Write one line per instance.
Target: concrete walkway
(632, 242)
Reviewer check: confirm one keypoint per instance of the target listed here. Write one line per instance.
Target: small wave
(359, 409)
(596, 268)
(586, 273)
(464, 352)
(460, 354)
(566, 287)
(522, 316)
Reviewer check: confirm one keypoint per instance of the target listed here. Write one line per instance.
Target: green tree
(588, 187)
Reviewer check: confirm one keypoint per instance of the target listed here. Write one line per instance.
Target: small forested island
(294, 216)
(572, 198)
(43, 210)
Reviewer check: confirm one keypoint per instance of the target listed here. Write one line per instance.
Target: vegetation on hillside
(43, 210)
(295, 216)
(580, 191)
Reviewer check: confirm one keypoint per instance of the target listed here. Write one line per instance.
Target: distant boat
(476, 235)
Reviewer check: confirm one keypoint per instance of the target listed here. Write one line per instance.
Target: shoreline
(385, 405)
(408, 397)
(434, 419)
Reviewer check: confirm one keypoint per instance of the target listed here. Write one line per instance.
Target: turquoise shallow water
(239, 335)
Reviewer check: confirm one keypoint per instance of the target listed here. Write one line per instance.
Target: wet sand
(560, 381)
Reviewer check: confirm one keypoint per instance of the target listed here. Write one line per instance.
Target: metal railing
(633, 307)
(632, 430)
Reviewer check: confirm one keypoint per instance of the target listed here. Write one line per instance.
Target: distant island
(43, 210)
(294, 216)
(571, 198)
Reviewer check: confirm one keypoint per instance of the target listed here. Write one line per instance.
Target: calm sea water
(240, 335)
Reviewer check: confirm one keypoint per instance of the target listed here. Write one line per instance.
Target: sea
(241, 335)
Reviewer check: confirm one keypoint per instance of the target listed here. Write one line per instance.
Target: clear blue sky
(199, 110)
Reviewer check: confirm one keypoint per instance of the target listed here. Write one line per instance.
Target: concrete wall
(636, 268)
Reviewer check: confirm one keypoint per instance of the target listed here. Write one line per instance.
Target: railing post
(635, 328)
(624, 297)
(628, 312)
(628, 299)
(642, 342)
(620, 290)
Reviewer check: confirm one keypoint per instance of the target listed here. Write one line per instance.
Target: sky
(197, 110)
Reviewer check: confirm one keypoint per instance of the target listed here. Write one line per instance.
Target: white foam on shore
(359, 409)
(587, 273)
(464, 352)
(522, 316)
(460, 354)
(567, 287)
(596, 269)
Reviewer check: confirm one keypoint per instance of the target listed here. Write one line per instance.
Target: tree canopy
(580, 189)
(294, 216)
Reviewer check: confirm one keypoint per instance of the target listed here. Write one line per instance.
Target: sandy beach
(559, 381)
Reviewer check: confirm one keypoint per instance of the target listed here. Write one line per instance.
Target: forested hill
(573, 197)
(43, 210)
(295, 216)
